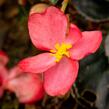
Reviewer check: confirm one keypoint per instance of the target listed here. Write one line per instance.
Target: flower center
(60, 51)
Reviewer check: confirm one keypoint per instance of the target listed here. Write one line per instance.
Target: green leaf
(53, 1)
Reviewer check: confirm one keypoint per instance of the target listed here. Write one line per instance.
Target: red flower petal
(3, 78)
(74, 34)
(1, 87)
(88, 44)
(37, 64)
(59, 79)
(3, 58)
(3, 74)
(48, 28)
(28, 87)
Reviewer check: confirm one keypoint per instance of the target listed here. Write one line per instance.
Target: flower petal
(88, 44)
(37, 64)
(74, 34)
(47, 28)
(3, 58)
(28, 87)
(3, 78)
(1, 87)
(59, 79)
(3, 74)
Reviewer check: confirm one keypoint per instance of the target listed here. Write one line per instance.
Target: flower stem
(64, 5)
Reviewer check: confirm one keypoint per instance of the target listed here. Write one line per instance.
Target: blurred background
(91, 90)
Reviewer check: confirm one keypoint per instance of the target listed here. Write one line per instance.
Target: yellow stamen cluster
(60, 51)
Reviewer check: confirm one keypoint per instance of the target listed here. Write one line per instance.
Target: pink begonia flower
(64, 46)
(3, 71)
(28, 87)
(3, 78)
